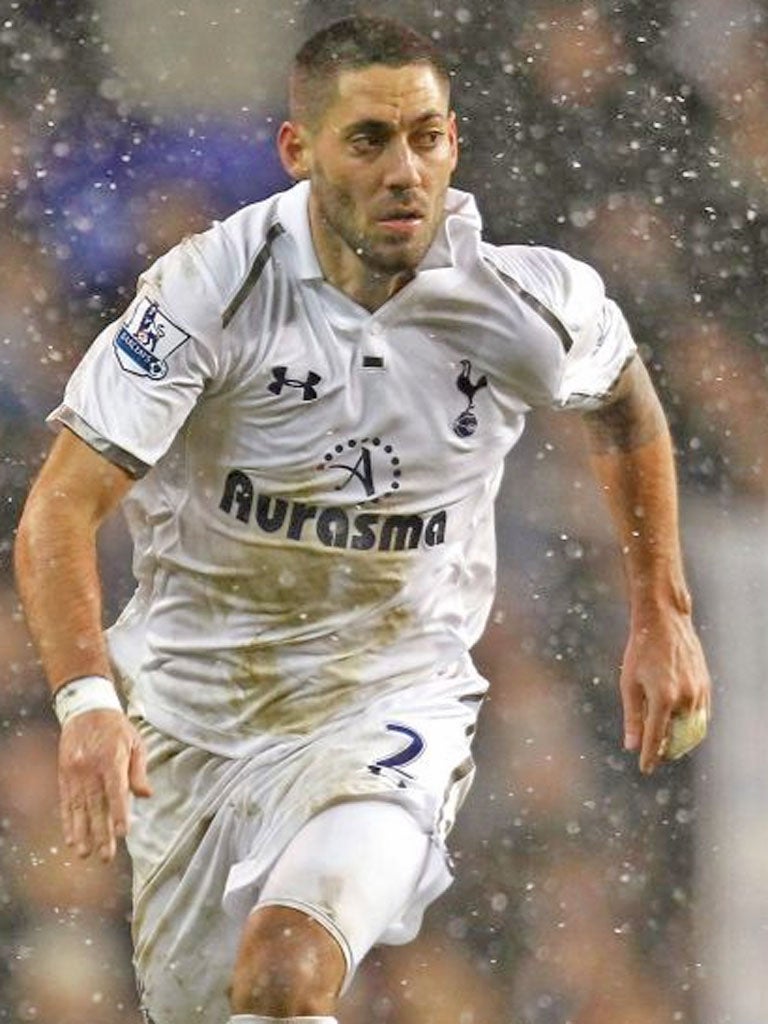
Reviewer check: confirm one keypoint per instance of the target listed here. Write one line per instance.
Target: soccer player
(305, 413)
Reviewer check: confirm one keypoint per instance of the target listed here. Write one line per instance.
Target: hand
(664, 674)
(101, 762)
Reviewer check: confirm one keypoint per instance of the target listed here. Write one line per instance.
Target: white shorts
(219, 836)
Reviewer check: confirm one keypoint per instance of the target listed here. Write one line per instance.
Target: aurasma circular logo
(367, 462)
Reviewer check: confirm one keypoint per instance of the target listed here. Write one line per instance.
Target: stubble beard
(336, 209)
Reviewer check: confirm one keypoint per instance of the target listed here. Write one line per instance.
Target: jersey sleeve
(601, 344)
(595, 342)
(141, 377)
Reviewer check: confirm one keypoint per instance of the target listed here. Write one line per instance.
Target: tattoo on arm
(634, 418)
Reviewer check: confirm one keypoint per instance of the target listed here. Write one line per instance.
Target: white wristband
(89, 693)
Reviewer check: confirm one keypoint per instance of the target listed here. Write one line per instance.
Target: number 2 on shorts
(404, 755)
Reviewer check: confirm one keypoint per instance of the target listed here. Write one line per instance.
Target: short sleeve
(591, 339)
(141, 377)
(599, 344)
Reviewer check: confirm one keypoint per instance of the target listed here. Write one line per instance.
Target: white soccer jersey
(313, 521)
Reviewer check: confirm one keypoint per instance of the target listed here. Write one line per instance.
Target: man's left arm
(664, 673)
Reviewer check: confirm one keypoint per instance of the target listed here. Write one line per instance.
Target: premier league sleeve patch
(146, 340)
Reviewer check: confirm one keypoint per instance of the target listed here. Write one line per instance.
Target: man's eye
(366, 143)
(430, 138)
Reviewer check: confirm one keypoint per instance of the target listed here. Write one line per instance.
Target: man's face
(379, 162)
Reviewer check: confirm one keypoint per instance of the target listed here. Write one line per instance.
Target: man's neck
(345, 270)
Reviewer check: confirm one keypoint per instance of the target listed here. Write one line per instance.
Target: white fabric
(206, 843)
(355, 868)
(303, 548)
(88, 693)
(249, 1018)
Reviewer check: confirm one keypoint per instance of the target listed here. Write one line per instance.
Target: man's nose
(402, 169)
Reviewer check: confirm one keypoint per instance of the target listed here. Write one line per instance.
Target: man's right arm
(101, 759)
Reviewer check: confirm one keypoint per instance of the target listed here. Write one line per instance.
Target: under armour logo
(466, 422)
(282, 380)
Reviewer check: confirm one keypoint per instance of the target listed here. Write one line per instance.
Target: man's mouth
(402, 221)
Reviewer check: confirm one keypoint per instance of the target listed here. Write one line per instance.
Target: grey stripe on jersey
(253, 275)
(119, 456)
(603, 396)
(538, 307)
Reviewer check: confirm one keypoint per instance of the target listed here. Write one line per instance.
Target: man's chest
(370, 411)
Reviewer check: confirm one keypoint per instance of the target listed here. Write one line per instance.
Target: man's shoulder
(241, 235)
(229, 247)
(201, 276)
(550, 275)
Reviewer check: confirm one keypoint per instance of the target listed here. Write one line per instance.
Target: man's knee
(288, 965)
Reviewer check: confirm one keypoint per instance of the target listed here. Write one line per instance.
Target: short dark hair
(350, 44)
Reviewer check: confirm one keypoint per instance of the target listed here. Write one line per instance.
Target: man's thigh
(180, 843)
(365, 869)
(216, 829)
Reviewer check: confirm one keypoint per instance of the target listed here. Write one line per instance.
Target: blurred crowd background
(633, 135)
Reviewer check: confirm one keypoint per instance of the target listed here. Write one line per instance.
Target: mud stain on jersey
(322, 618)
(302, 705)
(298, 593)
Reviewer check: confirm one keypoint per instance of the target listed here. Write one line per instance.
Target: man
(305, 413)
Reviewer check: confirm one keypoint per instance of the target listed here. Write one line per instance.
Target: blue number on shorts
(401, 757)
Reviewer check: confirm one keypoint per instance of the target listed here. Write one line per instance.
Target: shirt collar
(293, 215)
(461, 223)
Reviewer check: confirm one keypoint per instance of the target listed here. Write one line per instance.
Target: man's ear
(453, 137)
(293, 148)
